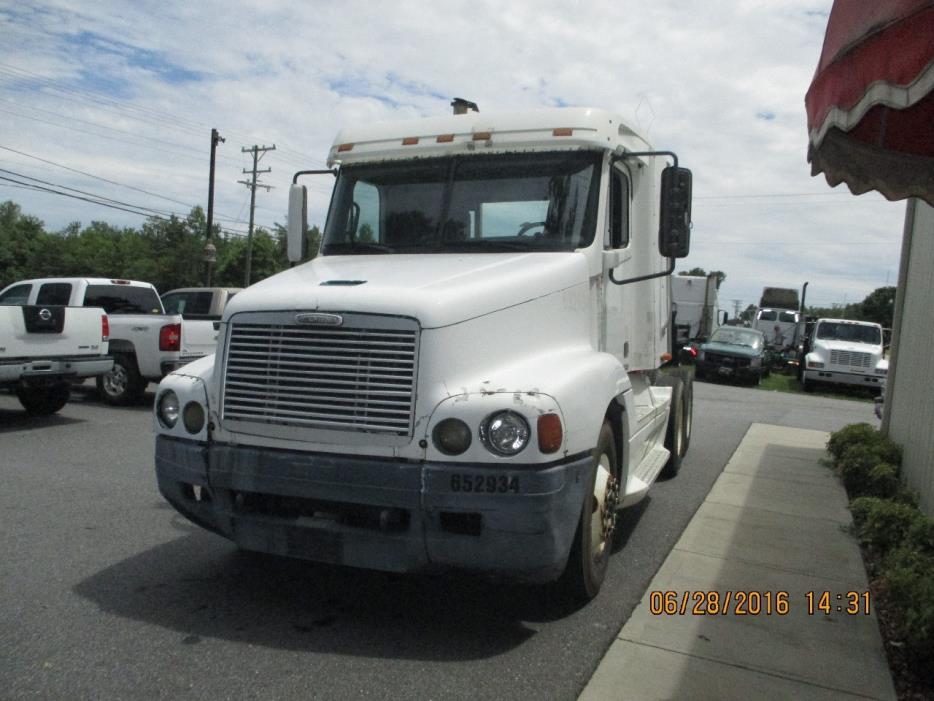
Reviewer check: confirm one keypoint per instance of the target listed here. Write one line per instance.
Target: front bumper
(384, 514)
(727, 370)
(47, 369)
(838, 377)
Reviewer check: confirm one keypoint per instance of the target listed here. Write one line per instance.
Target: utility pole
(210, 252)
(258, 152)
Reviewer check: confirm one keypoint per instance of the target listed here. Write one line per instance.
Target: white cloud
(130, 92)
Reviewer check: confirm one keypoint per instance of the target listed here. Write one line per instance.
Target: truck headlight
(167, 409)
(505, 433)
(815, 364)
(882, 371)
(451, 436)
(193, 417)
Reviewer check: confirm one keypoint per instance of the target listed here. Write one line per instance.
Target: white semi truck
(470, 375)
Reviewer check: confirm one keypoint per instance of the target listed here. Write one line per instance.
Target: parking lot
(108, 593)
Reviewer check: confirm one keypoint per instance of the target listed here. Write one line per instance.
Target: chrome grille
(853, 359)
(354, 377)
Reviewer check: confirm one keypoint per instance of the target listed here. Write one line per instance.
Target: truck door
(614, 333)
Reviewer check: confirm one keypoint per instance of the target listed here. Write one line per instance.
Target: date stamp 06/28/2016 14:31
(757, 603)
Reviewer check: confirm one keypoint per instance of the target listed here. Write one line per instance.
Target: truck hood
(729, 349)
(437, 289)
(848, 346)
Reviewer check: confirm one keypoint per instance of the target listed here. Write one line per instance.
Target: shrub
(909, 574)
(854, 434)
(882, 524)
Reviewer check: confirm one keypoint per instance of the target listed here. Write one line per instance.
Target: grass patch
(777, 382)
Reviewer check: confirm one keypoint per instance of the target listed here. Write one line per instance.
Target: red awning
(871, 104)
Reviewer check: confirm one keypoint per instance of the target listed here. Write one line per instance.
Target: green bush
(854, 434)
(909, 574)
(882, 524)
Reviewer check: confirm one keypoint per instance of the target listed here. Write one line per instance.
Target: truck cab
(845, 352)
(472, 374)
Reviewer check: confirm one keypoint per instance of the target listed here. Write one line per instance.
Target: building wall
(910, 398)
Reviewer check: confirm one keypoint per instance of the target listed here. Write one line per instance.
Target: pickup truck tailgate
(50, 331)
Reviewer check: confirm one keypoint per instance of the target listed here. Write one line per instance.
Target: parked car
(47, 345)
(145, 342)
(201, 309)
(734, 353)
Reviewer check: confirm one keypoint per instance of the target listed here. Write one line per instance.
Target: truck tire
(675, 434)
(123, 385)
(40, 400)
(593, 540)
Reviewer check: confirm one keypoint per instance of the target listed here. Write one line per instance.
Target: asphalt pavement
(107, 593)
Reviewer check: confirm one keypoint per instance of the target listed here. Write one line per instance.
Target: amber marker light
(445, 138)
(410, 141)
(345, 147)
(550, 434)
(665, 357)
(564, 131)
(483, 136)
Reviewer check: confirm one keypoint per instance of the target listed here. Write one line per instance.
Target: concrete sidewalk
(773, 522)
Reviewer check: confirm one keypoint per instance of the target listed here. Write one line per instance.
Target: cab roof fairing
(526, 131)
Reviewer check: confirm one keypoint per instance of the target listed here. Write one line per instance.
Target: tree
(700, 272)
(22, 239)
(879, 306)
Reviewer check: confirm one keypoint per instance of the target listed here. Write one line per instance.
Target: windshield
(466, 204)
(737, 337)
(855, 333)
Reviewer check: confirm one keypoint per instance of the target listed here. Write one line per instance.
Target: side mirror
(674, 230)
(298, 223)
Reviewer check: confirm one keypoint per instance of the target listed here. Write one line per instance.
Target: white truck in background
(43, 347)
(472, 374)
(695, 308)
(201, 309)
(845, 352)
(146, 344)
(778, 316)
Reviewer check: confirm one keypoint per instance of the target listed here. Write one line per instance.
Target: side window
(619, 209)
(15, 296)
(364, 214)
(54, 293)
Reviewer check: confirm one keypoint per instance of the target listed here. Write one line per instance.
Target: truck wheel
(675, 434)
(122, 385)
(593, 540)
(43, 401)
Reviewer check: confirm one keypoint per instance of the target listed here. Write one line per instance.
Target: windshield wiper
(486, 244)
(357, 247)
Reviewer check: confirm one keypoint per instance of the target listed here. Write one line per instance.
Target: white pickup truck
(201, 309)
(146, 344)
(45, 346)
(845, 352)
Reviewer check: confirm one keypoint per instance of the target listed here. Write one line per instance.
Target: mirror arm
(663, 273)
(332, 171)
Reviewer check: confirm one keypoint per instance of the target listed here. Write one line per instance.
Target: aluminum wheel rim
(115, 382)
(603, 514)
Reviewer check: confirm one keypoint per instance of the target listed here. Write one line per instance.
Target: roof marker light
(445, 138)
(344, 147)
(482, 136)
(410, 141)
(564, 131)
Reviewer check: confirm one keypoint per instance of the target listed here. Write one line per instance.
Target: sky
(117, 99)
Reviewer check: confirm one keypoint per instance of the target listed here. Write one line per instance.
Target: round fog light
(451, 436)
(505, 433)
(167, 409)
(193, 417)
